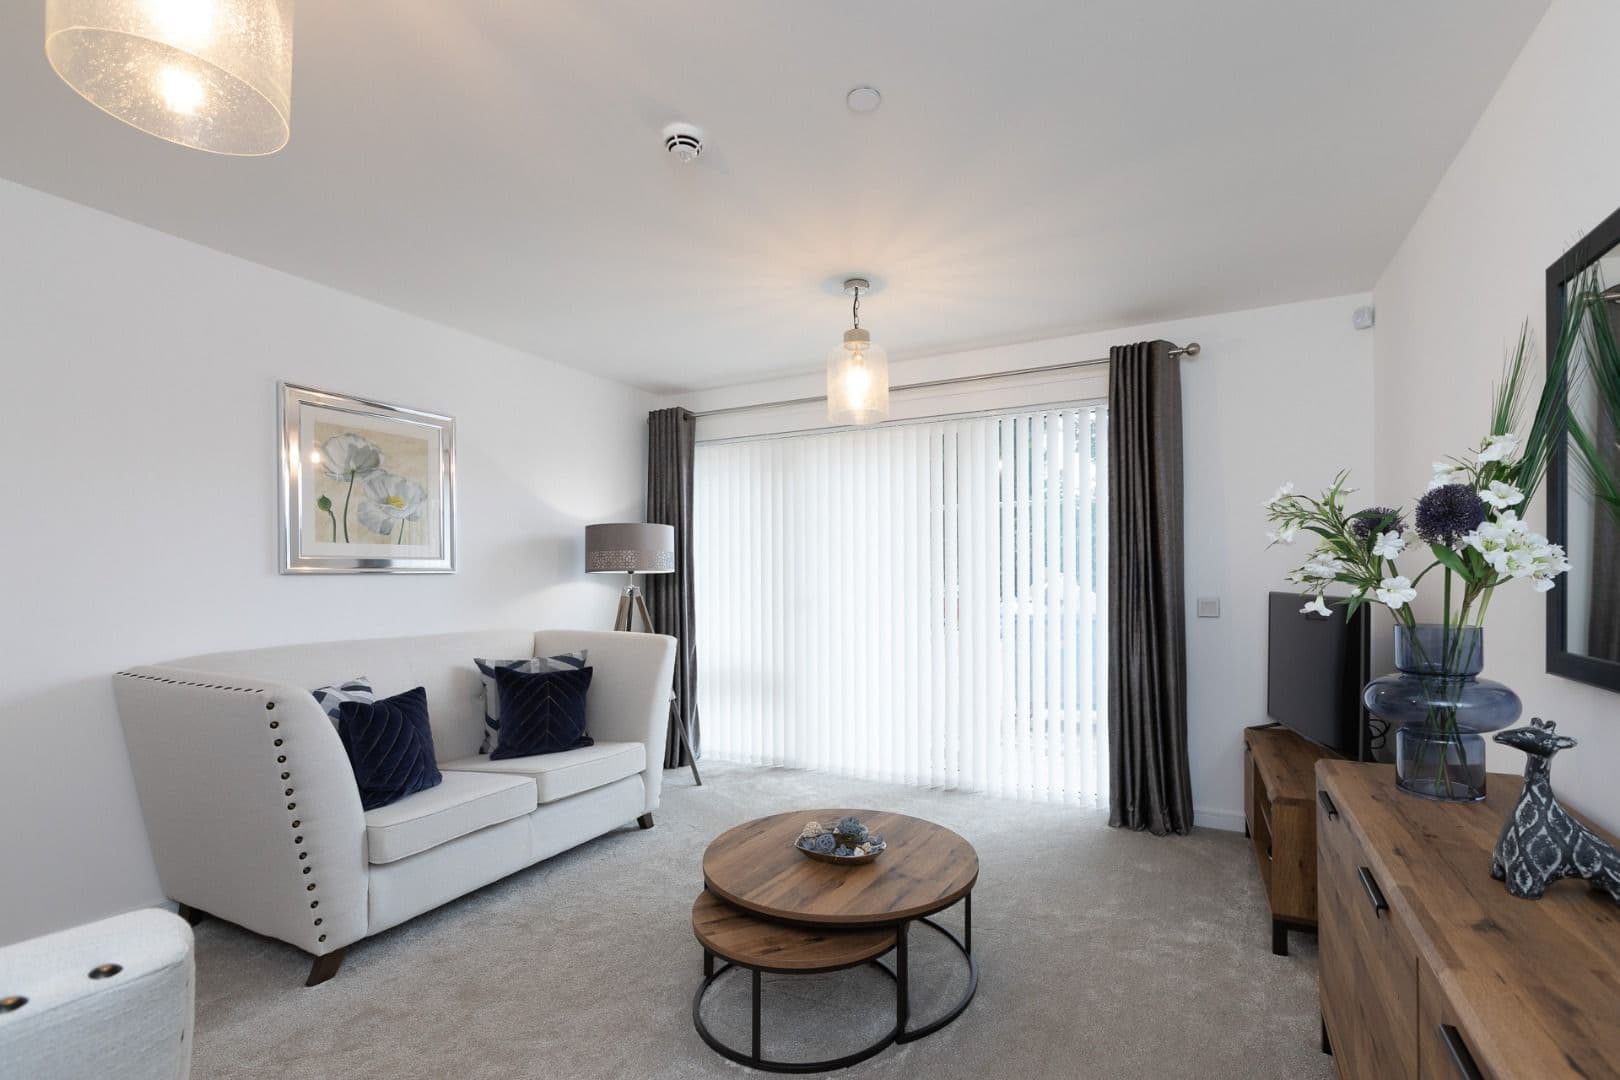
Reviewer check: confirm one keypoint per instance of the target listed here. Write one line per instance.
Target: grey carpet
(1103, 954)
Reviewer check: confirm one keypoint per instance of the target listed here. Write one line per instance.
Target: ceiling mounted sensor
(863, 99)
(213, 75)
(684, 141)
(858, 370)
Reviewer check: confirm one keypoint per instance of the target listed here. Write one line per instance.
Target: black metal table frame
(901, 974)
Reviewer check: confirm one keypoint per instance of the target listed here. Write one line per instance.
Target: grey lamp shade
(629, 547)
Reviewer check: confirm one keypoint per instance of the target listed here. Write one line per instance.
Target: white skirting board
(1229, 820)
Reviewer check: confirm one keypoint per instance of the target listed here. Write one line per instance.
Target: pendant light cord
(857, 307)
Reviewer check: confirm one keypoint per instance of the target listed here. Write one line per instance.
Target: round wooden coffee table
(768, 908)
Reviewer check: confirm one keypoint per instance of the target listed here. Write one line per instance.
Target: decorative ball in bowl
(846, 842)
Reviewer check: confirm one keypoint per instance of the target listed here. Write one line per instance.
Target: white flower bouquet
(1469, 526)
(1469, 523)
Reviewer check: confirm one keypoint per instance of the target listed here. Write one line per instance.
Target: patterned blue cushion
(331, 698)
(542, 712)
(390, 747)
(531, 664)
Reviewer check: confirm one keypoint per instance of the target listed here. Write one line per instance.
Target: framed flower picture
(366, 488)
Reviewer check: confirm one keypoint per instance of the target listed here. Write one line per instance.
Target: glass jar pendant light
(214, 75)
(857, 371)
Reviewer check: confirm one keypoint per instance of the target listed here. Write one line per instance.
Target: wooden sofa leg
(191, 914)
(645, 821)
(325, 967)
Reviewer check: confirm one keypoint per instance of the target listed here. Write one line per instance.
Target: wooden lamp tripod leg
(686, 741)
(641, 609)
(621, 621)
(631, 604)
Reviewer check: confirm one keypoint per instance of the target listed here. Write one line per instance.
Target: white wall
(1539, 170)
(140, 518)
(1280, 393)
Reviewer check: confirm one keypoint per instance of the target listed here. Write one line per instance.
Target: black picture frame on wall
(1560, 661)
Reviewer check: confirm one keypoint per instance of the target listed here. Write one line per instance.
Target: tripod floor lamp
(630, 548)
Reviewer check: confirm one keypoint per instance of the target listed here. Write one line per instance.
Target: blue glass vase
(1441, 706)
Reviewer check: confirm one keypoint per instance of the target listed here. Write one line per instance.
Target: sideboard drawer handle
(1460, 1056)
(1327, 805)
(1375, 895)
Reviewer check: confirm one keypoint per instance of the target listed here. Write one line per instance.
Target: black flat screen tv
(1315, 669)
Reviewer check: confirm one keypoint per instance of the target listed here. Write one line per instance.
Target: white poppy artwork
(367, 487)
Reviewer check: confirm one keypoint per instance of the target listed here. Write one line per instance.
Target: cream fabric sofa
(112, 998)
(253, 812)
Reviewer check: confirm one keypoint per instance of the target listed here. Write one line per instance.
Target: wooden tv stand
(1279, 807)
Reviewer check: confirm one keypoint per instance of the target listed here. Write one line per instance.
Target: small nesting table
(767, 908)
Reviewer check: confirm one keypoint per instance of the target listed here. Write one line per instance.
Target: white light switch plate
(1209, 607)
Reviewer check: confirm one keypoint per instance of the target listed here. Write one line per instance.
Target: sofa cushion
(462, 803)
(390, 747)
(355, 689)
(557, 776)
(543, 713)
(532, 665)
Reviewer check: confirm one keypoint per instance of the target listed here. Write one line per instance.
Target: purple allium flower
(1368, 524)
(1447, 513)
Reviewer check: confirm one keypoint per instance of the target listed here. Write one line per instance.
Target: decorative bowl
(847, 843)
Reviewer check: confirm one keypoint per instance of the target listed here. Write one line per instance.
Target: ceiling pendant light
(857, 371)
(214, 75)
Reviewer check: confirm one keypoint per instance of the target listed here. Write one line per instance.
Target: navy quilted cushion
(390, 747)
(541, 713)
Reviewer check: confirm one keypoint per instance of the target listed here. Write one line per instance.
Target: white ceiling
(1037, 168)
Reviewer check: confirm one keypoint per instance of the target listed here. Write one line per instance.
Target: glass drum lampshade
(214, 75)
(857, 381)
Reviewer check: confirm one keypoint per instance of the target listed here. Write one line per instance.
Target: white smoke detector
(684, 140)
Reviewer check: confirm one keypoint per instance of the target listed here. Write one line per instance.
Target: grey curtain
(1150, 786)
(671, 436)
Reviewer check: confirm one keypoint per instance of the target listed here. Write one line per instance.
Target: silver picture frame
(389, 471)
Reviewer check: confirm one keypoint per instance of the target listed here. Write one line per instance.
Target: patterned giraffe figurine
(1540, 841)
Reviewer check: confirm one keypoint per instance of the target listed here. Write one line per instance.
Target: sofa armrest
(250, 803)
(135, 1023)
(630, 689)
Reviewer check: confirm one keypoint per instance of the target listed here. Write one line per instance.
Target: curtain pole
(1192, 348)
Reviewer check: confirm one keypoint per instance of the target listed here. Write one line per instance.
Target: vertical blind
(923, 603)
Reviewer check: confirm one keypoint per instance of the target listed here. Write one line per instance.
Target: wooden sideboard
(1279, 810)
(1429, 968)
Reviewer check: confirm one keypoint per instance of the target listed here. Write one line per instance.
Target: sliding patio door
(922, 603)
